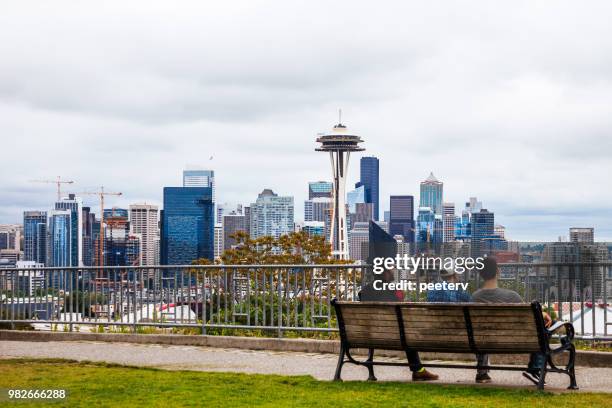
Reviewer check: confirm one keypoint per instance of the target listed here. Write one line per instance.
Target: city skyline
(520, 119)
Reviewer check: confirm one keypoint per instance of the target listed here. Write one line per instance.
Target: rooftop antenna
(340, 116)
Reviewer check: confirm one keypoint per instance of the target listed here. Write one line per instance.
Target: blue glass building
(355, 196)
(430, 231)
(369, 178)
(431, 194)
(483, 226)
(35, 236)
(60, 237)
(75, 206)
(319, 189)
(187, 225)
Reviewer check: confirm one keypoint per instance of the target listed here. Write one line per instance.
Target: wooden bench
(472, 328)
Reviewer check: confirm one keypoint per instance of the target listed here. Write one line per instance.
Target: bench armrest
(569, 329)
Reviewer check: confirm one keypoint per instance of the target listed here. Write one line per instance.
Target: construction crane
(101, 194)
(58, 182)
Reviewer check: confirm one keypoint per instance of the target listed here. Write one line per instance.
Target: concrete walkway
(320, 366)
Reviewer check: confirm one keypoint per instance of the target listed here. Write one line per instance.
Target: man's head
(489, 271)
(449, 274)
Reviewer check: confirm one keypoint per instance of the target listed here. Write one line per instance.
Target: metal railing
(275, 298)
(271, 298)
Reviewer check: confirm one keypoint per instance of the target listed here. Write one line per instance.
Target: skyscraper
(218, 240)
(75, 205)
(89, 223)
(60, 238)
(339, 144)
(200, 178)
(121, 247)
(582, 235)
(271, 215)
(449, 220)
(320, 189)
(144, 221)
(35, 236)
(429, 227)
(483, 223)
(356, 196)
(431, 194)
(232, 223)
(401, 217)
(187, 228)
(369, 178)
(358, 241)
(317, 209)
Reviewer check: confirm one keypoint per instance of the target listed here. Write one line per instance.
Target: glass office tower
(369, 178)
(187, 228)
(401, 217)
(35, 236)
(431, 194)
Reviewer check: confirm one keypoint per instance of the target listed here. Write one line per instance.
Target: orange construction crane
(101, 236)
(59, 183)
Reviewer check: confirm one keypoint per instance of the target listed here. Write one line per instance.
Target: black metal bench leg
(570, 369)
(340, 364)
(542, 377)
(370, 359)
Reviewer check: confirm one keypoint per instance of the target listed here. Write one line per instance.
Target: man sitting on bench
(370, 294)
(491, 293)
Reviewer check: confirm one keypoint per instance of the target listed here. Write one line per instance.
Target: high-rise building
(483, 223)
(187, 227)
(200, 178)
(358, 241)
(582, 235)
(232, 223)
(88, 220)
(356, 196)
(317, 189)
(218, 241)
(247, 220)
(364, 212)
(449, 221)
(369, 178)
(121, 246)
(271, 215)
(35, 236)
(339, 144)
(144, 221)
(401, 217)
(317, 209)
(75, 205)
(387, 216)
(430, 229)
(227, 208)
(10, 236)
(473, 206)
(500, 231)
(431, 194)
(60, 238)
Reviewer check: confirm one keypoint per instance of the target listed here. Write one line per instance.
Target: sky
(508, 102)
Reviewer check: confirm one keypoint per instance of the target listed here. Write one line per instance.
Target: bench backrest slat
(375, 327)
(443, 327)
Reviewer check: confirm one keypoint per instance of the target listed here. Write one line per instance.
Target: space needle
(339, 143)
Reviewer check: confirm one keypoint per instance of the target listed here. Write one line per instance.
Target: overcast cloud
(510, 102)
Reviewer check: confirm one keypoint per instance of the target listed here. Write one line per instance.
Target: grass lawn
(101, 385)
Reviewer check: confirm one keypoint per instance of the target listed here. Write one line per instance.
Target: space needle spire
(339, 143)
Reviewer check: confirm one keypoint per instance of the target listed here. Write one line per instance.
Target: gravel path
(320, 366)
